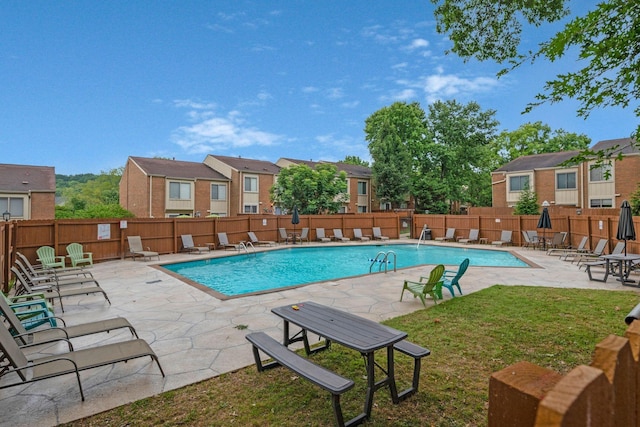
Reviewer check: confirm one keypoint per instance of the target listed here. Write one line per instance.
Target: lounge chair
(46, 280)
(558, 241)
(47, 257)
(505, 238)
(40, 270)
(304, 235)
(223, 242)
(337, 235)
(449, 236)
(451, 277)
(136, 249)
(432, 287)
(284, 236)
(189, 246)
(357, 235)
(30, 370)
(571, 252)
(377, 234)
(320, 236)
(474, 234)
(589, 255)
(44, 336)
(256, 242)
(598, 260)
(534, 240)
(23, 286)
(77, 255)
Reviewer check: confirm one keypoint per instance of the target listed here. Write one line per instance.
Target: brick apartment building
(579, 186)
(28, 192)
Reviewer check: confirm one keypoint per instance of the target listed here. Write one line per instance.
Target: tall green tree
(355, 160)
(604, 43)
(313, 191)
(393, 134)
(527, 204)
(536, 138)
(453, 163)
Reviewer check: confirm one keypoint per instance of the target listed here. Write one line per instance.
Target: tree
(605, 40)
(90, 196)
(453, 163)
(393, 133)
(635, 202)
(527, 204)
(355, 160)
(536, 138)
(313, 191)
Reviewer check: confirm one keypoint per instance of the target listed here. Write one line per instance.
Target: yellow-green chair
(48, 259)
(78, 256)
(432, 287)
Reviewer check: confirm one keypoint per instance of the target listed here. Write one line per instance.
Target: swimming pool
(266, 271)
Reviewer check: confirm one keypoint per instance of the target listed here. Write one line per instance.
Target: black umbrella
(545, 223)
(295, 219)
(626, 231)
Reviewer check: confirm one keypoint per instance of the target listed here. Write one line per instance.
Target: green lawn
(469, 338)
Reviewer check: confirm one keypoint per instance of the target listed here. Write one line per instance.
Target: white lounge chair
(505, 238)
(450, 235)
(189, 246)
(337, 235)
(377, 234)
(136, 249)
(321, 236)
(357, 234)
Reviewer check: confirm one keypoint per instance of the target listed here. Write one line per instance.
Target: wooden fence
(603, 394)
(106, 238)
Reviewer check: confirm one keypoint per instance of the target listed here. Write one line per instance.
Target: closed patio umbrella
(545, 223)
(295, 219)
(626, 230)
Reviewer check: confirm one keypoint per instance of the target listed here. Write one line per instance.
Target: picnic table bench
(318, 375)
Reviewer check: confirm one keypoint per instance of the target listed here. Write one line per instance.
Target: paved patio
(197, 336)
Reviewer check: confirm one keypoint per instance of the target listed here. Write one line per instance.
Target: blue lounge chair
(452, 277)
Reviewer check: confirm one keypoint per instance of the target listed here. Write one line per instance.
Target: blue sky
(86, 84)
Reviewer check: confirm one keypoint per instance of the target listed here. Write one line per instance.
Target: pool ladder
(382, 258)
(245, 246)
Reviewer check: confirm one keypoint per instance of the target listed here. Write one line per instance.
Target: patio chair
(29, 369)
(23, 286)
(284, 236)
(505, 238)
(30, 310)
(45, 336)
(357, 235)
(47, 256)
(189, 246)
(337, 235)
(377, 234)
(45, 280)
(451, 278)
(449, 236)
(320, 235)
(534, 240)
(598, 260)
(432, 287)
(304, 235)
(137, 250)
(474, 234)
(223, 242)
(256, 242)
(77, 255)
(597, 251)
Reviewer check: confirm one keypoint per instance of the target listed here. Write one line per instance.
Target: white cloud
(418, 44)
(335, 93)
(352, 104)
(211, 132)
(309, 89)
(444, 86)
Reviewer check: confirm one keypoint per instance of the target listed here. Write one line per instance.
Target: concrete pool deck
(197, 336)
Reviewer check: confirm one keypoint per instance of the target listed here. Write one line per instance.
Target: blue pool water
(242, 274)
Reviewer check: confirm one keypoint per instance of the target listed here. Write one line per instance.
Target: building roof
(625, 145)
(177, 169)
(537, 161)
(351, 170)
(249, 165)
(23, 178)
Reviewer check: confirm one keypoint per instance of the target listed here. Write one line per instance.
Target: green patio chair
(452, 277)
(78, 256)
(32, 310)
(48, 259)
(432, 287)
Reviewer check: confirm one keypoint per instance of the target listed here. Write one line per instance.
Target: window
(180, 190)
(250, 184)
(250, 209)
(218, 192)
(601, 203)
(362, 209)
(519, 183)
(566, 181)
(362, 188)
(14, 205)
(598, 174)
